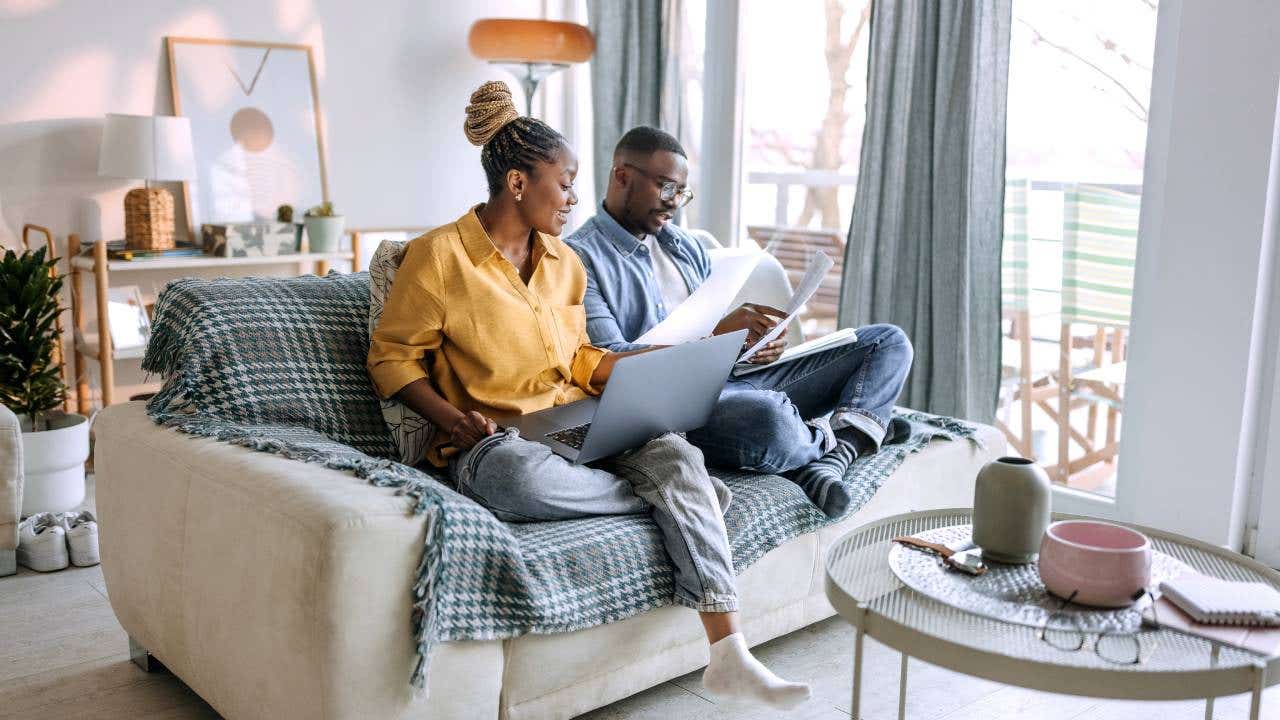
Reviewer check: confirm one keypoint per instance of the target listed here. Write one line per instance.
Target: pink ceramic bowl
(1103, 564)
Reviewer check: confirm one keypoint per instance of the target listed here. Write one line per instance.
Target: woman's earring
(519, 196)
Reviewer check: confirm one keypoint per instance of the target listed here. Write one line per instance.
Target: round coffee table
(1176, 666)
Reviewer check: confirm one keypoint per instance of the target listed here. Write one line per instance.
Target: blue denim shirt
(623, 300)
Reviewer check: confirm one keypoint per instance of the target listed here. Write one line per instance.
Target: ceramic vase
(1011, 510)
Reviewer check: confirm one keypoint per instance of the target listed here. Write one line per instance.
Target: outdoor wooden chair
(793, 247)
(1099, 246)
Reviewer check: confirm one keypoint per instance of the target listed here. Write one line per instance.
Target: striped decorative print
(1099, 245)
(1014, 250)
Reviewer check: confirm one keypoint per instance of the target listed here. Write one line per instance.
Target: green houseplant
(54, 444)
(324, 228)
(30, 376)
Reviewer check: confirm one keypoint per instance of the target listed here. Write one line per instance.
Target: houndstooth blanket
(278, 365)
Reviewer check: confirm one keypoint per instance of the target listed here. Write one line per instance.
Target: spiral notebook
(1213, 601)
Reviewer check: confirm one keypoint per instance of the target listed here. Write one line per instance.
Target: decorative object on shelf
(130, 326)
(1100, 563)
(55, 444)
(150, 148)
(324, 228)
(259, 239)
(1010, 509)
(284, 214)
(256, 121)
(530, 49)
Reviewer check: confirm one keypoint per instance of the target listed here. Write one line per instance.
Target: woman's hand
(469, 429)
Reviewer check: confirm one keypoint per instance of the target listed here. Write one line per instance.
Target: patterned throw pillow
(410, 432)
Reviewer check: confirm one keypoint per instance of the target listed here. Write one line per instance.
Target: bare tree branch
(1039, 37)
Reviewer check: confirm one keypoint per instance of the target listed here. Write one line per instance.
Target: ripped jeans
(523, 481)
(759, 422)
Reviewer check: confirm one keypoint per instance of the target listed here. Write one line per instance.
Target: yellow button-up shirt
(459, 314)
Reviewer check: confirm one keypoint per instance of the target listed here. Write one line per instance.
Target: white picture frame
(256, 128)
(130, 325)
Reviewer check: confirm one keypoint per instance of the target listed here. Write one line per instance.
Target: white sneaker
(42, 543)
(82, 537)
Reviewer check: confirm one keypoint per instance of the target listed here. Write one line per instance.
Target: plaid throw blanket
(277, 365)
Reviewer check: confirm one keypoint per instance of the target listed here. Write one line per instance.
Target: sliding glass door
(1079, 90)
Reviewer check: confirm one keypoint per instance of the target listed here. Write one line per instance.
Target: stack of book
(116, 250)
(1241, 614)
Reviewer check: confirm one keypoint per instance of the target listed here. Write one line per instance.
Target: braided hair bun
(491, 108)
(508, 141)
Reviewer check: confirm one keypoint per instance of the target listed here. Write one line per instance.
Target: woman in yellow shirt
(485, 318)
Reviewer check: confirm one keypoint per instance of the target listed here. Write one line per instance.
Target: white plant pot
(324, 234)
(53, 463)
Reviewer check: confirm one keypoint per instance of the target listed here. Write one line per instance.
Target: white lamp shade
(146, 147)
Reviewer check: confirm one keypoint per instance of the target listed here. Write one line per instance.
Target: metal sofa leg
(8, 562)
(144, 659)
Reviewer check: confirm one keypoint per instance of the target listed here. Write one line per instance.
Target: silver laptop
(668, 390)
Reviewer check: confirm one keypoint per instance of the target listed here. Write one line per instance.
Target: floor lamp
(530, 49)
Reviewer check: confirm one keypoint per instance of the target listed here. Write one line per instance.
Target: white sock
(734, 673)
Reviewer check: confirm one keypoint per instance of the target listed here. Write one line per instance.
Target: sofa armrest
(10, 479)
(274, 588)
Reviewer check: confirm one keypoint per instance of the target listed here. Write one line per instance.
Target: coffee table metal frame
(1176, 666)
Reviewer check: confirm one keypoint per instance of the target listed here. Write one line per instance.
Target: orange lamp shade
(539, 41)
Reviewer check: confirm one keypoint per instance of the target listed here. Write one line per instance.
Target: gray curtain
(924, 242)
(634, 73)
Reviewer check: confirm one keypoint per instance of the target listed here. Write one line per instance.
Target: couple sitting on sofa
(493, 314)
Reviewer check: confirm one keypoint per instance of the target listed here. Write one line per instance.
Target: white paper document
(804, 349)
(818, 265)
(697, 316)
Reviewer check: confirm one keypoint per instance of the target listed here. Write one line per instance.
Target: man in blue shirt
(806, 419)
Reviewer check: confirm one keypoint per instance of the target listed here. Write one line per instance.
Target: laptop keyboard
(573, 437)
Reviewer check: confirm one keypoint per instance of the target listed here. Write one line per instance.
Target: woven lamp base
(148, 219)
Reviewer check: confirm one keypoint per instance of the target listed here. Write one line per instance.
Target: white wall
(1212, 107)
(394, 78)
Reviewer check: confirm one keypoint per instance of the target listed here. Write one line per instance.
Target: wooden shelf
(87, 344)
(85, 262)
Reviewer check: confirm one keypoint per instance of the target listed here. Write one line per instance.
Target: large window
(804, 101)
(1079, 87)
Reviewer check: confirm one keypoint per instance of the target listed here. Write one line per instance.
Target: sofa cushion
(410, 432)
(270, 351)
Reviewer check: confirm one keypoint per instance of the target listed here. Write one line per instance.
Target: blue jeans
(523, 481)
(759, 422)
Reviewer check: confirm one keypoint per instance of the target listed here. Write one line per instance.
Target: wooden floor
(62, 655)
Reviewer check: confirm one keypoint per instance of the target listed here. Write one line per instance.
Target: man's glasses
(1117, 648)
(671, 192)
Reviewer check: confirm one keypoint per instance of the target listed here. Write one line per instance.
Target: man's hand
(770, 352)
(753, 318)
(469, 429)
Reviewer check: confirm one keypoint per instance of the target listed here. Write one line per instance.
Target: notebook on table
(1212, 601)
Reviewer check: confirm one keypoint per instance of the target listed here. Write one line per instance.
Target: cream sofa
(279, 589)
(10, 489)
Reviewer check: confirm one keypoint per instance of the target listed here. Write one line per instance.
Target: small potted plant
(55, 444)
(324, 228)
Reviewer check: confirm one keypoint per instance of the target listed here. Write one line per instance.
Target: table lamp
(148, 148)
(530, 49)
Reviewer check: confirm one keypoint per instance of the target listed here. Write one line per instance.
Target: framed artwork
(255, 127)
(130, 326)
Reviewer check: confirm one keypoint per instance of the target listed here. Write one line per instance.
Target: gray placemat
(1012, 593)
